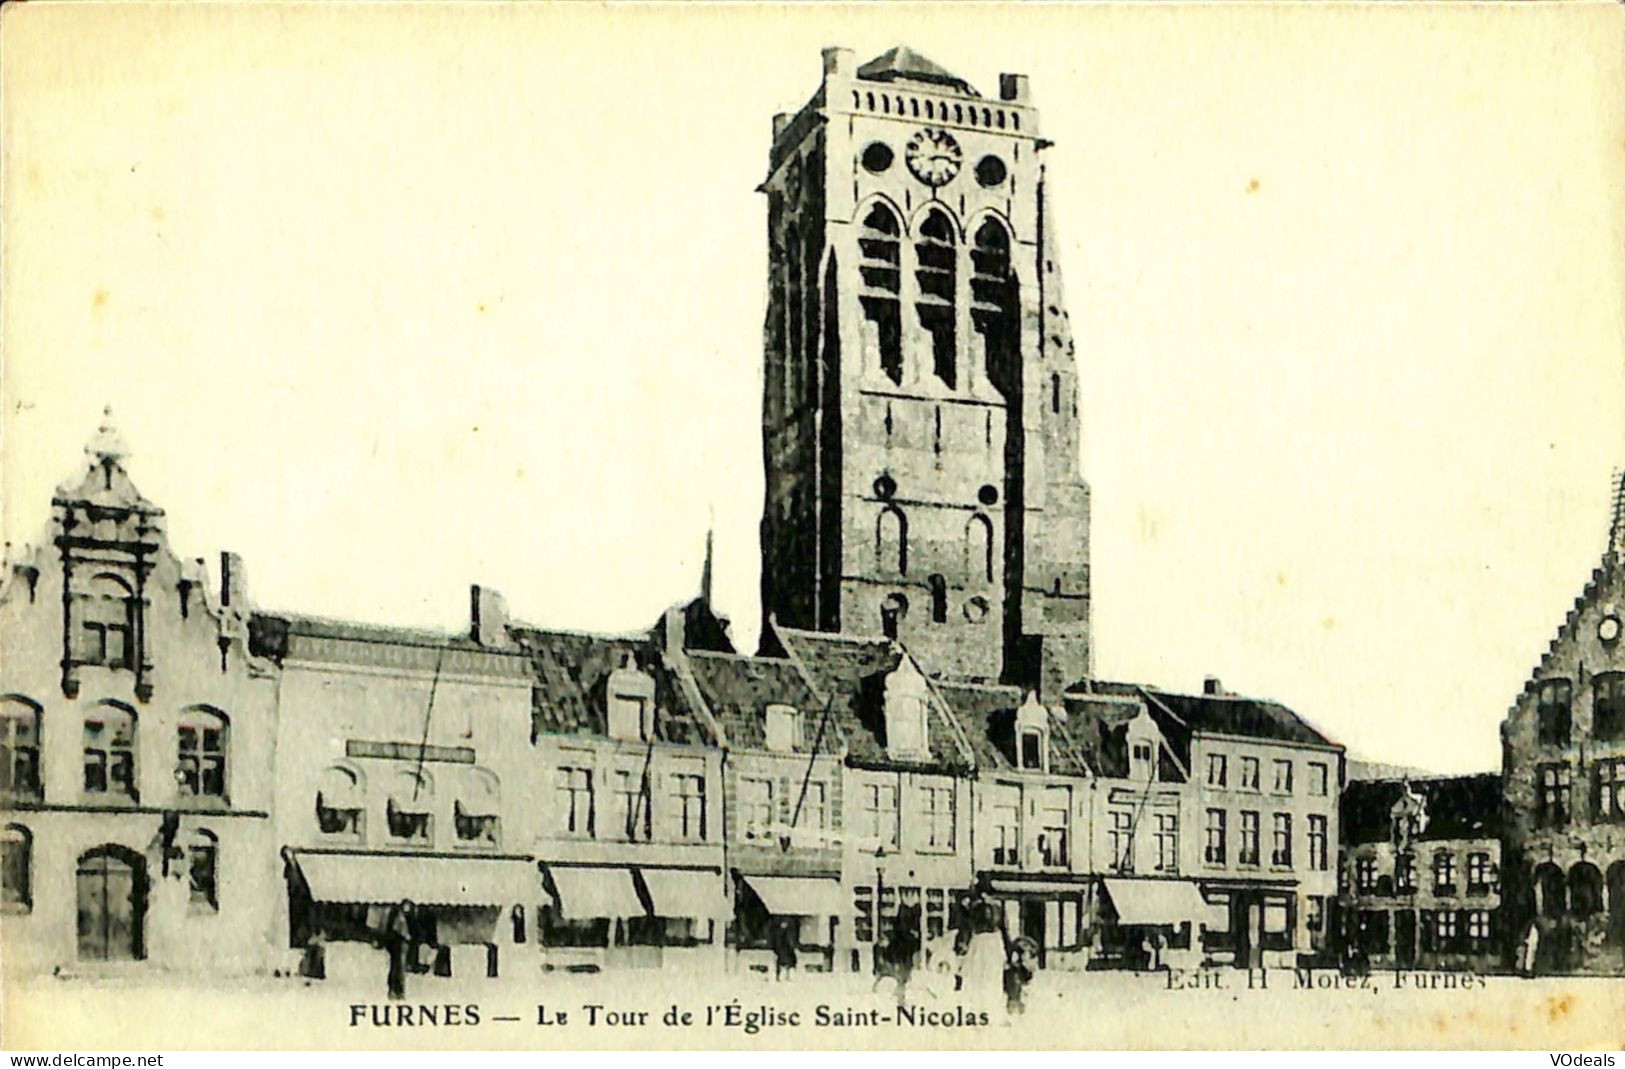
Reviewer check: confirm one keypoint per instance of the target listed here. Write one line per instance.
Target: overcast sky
(392, 300)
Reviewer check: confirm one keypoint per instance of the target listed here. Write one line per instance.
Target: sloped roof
(849, 671)
(293, 636)
(903, 64)
(1458, 807)
(738, 689)
(988, 715)
(1181, 715)
(572, 671)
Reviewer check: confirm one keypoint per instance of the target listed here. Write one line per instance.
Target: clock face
(1608, 629)
(934, 156)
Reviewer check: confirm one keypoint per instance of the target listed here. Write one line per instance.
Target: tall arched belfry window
(891, 541)
(934, 272)
(880, 248)
(993, 305)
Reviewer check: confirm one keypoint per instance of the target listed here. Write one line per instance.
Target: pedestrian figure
(1529, 950)
(1017, 975)
(396, 939)
(784, 949)
(901, 953)
(1153, 947)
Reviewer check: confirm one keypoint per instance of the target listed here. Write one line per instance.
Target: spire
(705, 570)
(106, 448)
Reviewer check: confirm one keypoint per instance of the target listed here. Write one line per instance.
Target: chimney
(233, 582)
(490, 616)
(1213, 688)
(1013, 88)
(840, 63)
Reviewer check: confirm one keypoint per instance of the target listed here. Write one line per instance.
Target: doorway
(111, 884)
(1405, 938)
(1032, 924)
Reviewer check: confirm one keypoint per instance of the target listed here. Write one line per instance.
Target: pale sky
(393, 300)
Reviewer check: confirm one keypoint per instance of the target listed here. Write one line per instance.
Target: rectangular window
(1217, 770)
(1032, 750)
(1553, 702)
(1478, 925)
(1213, 848)
(1405, 874)
(105, 643)
(1315, 914)
(863, 914)
(1055, 805)
(784, 733)
(1444, 873)
(1006, 814)
(814, 814)
(1120, 840)
(1282, 782)
(1608, 801)
(1365, 875)
(880, 812)
(937, 812)
(756, 808)
(1167, 842)
(936, 912)
(1281, 840)
(1247, 779)
(688, 806)
(16, 869)
(575, 800)
(634, 805)
(1247, 853)
(1556, 800)
(200, 767)
(1318, 859)
(1608, 707)
(1319, 779)
(1480, 874)
(1445, 920)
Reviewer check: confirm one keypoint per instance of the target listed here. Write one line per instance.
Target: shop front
(608, 917)
(1152, 924)
(786, 920)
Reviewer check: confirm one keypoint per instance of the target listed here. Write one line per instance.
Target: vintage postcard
(715, 586)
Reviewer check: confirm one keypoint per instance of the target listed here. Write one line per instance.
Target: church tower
(920, 416)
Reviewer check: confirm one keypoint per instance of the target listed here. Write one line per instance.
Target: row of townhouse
(195, 785)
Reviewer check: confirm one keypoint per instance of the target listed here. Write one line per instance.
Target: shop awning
(1161, 902)
(799, 896)
(595, 892)
(380, 879)
(1037, 887)
(685, 893)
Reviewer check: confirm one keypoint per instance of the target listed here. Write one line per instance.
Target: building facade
(138, 745)
(920, 414)
(1563, 785)
(1421, 872)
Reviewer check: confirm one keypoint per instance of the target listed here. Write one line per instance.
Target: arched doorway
(1551, 891)
(1585, 890)
(112, 901)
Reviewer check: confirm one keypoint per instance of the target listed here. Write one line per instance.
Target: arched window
(891, 541)
(341, 807)
(879, 265)
(200, 767)
(939, 599)
(1553, 701)
(111, 897)
(475, 812)
(993, 305)
(110, 751)
(1055, 392)
(979, 548)
(892, 611)
(409, 810)
(106, 623)
(16, 869)
(934, 272)
(202, 869)
(19, 748)
(1585, 889)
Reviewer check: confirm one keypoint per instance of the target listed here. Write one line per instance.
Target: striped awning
(685, 892)
(584, 892)
(799, 896)
(1160, 902)
(379, 879)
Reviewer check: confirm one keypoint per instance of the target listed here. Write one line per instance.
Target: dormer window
(630, 702)
(1032, 735)
(1143, 740)
(784, 733)
(906, 700)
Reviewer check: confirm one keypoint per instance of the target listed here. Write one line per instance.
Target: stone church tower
(920, 417)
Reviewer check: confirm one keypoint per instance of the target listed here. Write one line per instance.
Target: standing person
(1017, 975)
(903, 951)
(784, 949)
(396, 939)
(982, 970)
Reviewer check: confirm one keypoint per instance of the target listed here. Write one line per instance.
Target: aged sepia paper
(895, 648)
